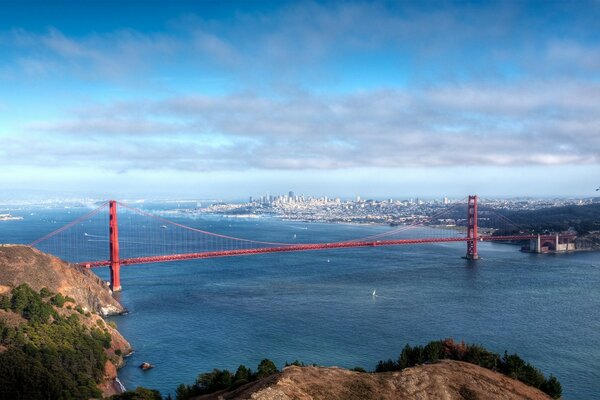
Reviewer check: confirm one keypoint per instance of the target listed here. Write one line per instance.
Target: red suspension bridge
(142, 238)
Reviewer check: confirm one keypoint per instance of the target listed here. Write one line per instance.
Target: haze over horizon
(229, 99)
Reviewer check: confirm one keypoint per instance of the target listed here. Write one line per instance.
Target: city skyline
(213, 99)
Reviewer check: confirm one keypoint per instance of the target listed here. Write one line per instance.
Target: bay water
(189, 317)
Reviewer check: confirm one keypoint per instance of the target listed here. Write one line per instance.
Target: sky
(225, 99)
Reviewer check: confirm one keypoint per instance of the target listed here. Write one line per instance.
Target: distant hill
(583, 219)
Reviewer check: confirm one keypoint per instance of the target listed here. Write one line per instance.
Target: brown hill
(23, 264)
(447, 380)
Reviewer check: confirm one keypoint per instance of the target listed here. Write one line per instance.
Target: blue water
(189, 317)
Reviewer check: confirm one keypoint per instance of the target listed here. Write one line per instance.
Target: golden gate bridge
(98, 239)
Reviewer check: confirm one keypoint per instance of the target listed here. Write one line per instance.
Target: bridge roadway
(303, 247)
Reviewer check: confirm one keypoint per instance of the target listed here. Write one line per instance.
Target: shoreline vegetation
(51, 348)
(510, 365)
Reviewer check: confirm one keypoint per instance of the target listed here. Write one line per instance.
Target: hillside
(23, 264)
(54, 342)
(448, 380)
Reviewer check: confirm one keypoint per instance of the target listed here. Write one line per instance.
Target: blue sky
(229, 99)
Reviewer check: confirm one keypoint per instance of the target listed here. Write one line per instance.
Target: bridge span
(201, 244)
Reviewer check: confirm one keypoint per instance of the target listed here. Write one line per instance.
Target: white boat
(163, 227)
(375, 293)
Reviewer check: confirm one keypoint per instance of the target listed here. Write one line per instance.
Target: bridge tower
(115, 261)
(472, 229)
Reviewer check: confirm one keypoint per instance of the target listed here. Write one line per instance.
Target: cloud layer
(535, 124)
(311, 86)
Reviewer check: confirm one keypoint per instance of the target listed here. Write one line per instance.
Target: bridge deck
(301, 247)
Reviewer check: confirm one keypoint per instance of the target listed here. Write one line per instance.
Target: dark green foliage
(49, 359)
(45, 292)
(102, 337)
(210, 382)
(296, 363)
(511, 365)
(266, 368)
(386, 366)
(242, 375)
(79, 310)
(5, 303)
(140, 393)
(358, 369)
(69, 299)
(552, 387)
(58, 300)
(29, 304)
(118, 352)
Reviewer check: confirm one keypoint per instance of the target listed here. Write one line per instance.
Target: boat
(375, 293)
(163, 227)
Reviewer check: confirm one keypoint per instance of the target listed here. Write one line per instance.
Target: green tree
(217, 379)
(266, 368)
(242, 375)
(552, 387)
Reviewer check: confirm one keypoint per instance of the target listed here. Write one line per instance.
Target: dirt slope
(446, 380)
(23, 264)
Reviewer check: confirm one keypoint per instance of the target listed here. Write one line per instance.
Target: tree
(266, 368)
(552, 387)
(242, 375)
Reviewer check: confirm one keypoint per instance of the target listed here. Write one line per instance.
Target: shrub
(45, 292)
(5, 303)
(58, 300)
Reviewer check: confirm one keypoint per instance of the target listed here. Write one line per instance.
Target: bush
(45, 292)
(5, 303)
(58, 300)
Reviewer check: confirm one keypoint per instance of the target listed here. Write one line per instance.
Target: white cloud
(443, 126)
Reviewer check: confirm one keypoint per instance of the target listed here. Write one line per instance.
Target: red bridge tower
(472, 229)
(115, 261)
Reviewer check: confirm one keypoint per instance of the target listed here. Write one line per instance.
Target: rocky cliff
(447, 380)
(24, 264)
